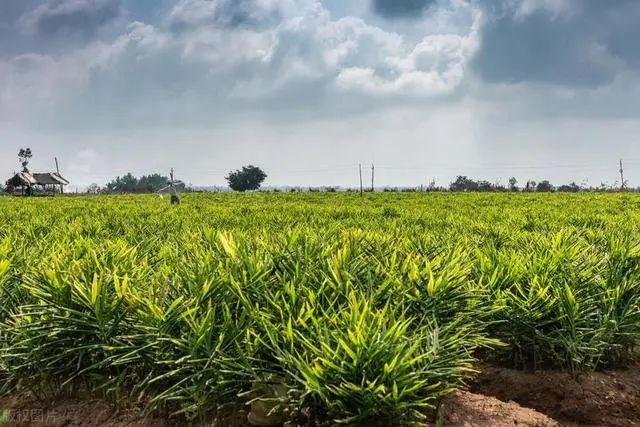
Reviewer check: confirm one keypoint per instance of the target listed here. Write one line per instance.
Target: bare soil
(462, 409)
(498, 397)
(610, 398)
(84, 412)
(465, 409)
(20, 412)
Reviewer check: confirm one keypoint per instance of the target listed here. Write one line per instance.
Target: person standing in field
(175, 199)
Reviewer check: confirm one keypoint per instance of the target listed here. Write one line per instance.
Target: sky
(309, 89)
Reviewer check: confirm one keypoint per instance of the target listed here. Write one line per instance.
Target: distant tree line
(463, 183)
(131, 184)
(250, 178)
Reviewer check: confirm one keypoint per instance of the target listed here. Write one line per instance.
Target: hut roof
(22, 178)
(49, 178)
(26, 178)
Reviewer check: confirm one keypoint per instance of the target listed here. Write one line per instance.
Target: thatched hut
(26, 183)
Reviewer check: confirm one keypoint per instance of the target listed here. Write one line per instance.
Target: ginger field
(323, 309)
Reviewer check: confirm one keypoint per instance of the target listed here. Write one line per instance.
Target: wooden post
(58, 173)
(360, 167)
(373, 171)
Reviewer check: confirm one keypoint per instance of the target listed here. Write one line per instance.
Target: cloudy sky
(307, 89)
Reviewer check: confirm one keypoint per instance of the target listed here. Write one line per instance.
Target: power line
(496, 167)
(280, 173)
(423, 167)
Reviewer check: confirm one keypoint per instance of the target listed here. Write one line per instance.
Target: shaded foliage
(544, 187)
(249, 178)
(25, 155)
(145, 184)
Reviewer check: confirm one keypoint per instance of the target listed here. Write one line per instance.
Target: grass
(328, 308)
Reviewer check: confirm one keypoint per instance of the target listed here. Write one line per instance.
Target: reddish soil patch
(72, 412)
(464, 409)
(598, 399)
(84, 412)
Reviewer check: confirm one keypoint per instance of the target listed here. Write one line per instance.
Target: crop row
(327, 308)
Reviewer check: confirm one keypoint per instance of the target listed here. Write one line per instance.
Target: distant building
(25, 183)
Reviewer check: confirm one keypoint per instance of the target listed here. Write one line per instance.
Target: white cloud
(436, 66)
(216, 65)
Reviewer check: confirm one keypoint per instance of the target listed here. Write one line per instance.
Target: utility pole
(360, 167)
(58, 173)
(373, 171)
(621, 176)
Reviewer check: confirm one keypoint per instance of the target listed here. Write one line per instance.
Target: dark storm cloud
(237, 13)
(401, 8)
(225, 14)
(577, 48)
(624, 32)
(72, 16)
(16, 33)
(585, 45)
(539, 49)
(11, 10)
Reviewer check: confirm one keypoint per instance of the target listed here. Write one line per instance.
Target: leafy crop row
(327, 308)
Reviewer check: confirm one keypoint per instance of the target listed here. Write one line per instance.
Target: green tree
(125, 184)
(463, 183)
(145, 184)
(248, 178)
(24, 155)
(151, 183)
(513, 184)
(571, 188)
(544, 187)
(93, 189)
